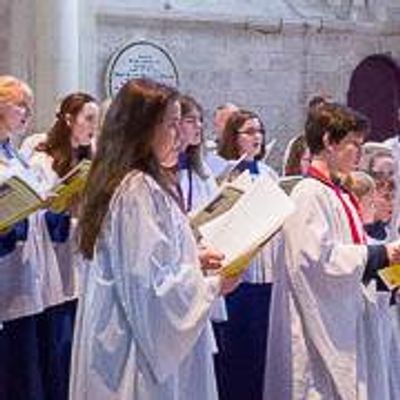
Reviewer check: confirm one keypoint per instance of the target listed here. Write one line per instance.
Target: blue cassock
(242, 340)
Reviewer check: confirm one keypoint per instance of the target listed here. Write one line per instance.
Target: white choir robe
(25, 287)
(28, 146)
(202, 191)
(383, 328)
(216, 163)
(394, 144)
(20, 283)
(320, 323)
(260, 270)
(143, 329)
(63, 261)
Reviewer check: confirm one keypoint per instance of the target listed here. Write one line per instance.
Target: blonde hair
(361, 183)
(13, 90)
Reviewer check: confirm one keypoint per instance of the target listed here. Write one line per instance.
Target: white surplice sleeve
(320, 228)
(325, 271)
(158, 281)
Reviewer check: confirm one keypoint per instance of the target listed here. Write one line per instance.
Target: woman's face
(383, 200)
(383, 167)
(346, 154)
(16, 116)
(84, 125)
(166, 140)
(191, 128)
(367, 207)
(382, 170)
(250, 138)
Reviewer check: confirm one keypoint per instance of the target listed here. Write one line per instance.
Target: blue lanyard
(184, 164)
(10, 153)
(6, 149)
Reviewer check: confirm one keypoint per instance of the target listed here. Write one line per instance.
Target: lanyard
(184, 164)
(10, 153)
(357, 237)
(189, 203)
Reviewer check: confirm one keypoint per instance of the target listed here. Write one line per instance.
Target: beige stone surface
(269, 56)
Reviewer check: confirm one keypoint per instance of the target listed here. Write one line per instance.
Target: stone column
(56, 59)
(87, 45)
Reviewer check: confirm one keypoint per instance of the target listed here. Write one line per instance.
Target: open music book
(251, 219)
(20, 196)
(227, 195)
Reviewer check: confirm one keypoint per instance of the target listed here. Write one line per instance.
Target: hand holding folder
(70, 186)
(20, 196)
(250, 221)
(390, 276)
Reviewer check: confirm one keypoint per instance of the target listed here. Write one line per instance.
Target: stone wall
(269, 56)
(5, 32)
(267, 65)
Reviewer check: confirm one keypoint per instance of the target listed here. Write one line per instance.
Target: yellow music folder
(71, 185)
(17, 200)
(390, 276)
(20, 196)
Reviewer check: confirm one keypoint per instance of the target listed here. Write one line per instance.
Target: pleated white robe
(320, 344)
(63, 255)
(143, 328)
(27, 285)
(201, 191)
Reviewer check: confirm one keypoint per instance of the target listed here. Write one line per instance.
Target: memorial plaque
(138, 60)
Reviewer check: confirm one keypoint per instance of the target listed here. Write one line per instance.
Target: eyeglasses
(24, 107)
(382, 175)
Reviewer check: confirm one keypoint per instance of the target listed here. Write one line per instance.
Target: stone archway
(375, 91)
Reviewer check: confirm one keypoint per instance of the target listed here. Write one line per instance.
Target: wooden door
(375, 91)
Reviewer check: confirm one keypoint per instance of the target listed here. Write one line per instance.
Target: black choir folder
(241, 218)
(21, 195)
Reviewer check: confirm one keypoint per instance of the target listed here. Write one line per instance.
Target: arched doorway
(375, 91)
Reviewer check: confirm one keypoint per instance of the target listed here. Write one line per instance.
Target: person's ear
(68, 119)
(326, 140)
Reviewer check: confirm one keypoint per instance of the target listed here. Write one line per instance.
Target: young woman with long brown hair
(143, 330)
(67, 142)
(70, 138)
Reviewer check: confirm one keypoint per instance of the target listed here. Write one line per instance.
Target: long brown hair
(124, 144)
(194, 152)
(295, 152)
(58, 143)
